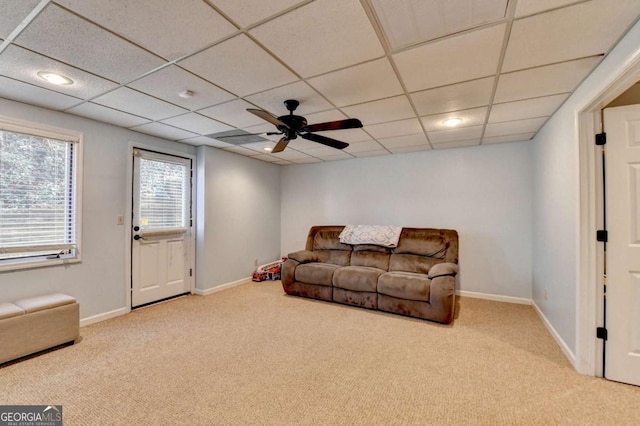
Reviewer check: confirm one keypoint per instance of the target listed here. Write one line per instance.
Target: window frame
(77, 138)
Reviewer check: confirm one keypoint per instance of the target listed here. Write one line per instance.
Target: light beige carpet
(251, 355)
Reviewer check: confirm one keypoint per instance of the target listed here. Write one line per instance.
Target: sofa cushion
(371, 259)
(335, 257)
(411, 263)
(443, 270)
(315, 273)
(329, 239)
(405, 285)
(357, 278)
(304, 256)
(8, 310)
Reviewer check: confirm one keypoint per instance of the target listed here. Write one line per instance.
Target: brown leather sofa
(416, 278)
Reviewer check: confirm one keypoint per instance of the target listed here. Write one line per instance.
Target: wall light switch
(120, 220)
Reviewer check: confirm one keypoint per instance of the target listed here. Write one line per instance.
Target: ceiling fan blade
(249, 134)
(349, 123)
(280, 146)
(267, 116)
(325, 140)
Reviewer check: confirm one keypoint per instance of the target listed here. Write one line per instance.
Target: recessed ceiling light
(452, 122)
(54, 78)
(186, 94)
(268, 149)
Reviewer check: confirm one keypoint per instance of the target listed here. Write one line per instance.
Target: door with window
(161, 227)
(622, 356)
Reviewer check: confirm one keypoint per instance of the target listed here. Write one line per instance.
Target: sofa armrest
(443, 269)
(304, 256)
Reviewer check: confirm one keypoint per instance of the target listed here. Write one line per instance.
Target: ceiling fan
(291, 126)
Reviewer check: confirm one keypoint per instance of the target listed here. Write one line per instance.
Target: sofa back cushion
(371, 256)
(421, 248)
(325, 241)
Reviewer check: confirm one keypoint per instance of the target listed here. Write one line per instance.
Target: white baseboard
(563, 346)
(221, 287)
(494, 297)
(103, 317)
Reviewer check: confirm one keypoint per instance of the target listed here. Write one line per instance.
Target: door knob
(137, 237)
(136, 228)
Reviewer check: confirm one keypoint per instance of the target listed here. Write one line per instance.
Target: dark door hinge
(601, 333)
(190, 272)
(602, 235)
(601, 138)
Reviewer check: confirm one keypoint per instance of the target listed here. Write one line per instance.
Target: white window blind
(37, 202)
(162, 189)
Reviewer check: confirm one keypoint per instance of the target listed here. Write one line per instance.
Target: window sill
(37, 263)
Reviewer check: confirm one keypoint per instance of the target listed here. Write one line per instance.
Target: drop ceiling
(402, 67)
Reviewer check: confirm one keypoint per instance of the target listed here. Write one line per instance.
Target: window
(162, 189)
(39, 196)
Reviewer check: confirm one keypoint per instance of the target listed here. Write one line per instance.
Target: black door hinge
(602, 235)
(190, 272)
(601, 138)
(601, 333)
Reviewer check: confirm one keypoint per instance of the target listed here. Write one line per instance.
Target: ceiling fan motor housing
(295, 123)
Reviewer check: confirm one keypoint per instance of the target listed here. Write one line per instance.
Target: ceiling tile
(170, 81)
(335, 157)
(286, 163)
(163, 131)
(273, 100)
(360, 83)
(260, 146)
(266, 157)
(158, 26)
(586, 29)
(371, 153)
(197, 123)
(508, 138)
(308, 160)
(529, 108)
(320, 151)
(55, 33)
(375, 112)
(290, 154)
(264, 128)
(302, 144)
(242, 151)
(128, 100)
(363, 146)
(84, 85)
(543, 81)
(460, 58)
(247, 12)
(529, 7)
(240, 66)
(203, 140)
(342, 35)
(324, 116)
(405, 149)
(107, 115)
(404, 141)
(453, 135)
(470, 117)
(457, 144)
(414, 21)
(233, 113)
(13, 13)
(454, 97)
(27, 93)
(395, 128)
(514, 127)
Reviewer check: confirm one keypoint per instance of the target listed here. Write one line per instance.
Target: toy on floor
(269, 271)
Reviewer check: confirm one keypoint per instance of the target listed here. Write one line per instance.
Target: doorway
(162, 239)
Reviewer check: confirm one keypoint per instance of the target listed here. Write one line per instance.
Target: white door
(622, 357)
(161, 227)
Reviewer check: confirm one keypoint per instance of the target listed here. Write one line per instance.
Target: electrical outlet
(546, 294)
(255, 262)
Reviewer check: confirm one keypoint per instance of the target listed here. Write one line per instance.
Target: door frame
(129, 207)
(589, 290)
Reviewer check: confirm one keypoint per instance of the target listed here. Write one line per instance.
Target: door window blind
(37, 203)
(162, 189)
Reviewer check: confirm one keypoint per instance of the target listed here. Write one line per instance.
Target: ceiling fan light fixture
(452, 122)
(269, 149)
(54, 78)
